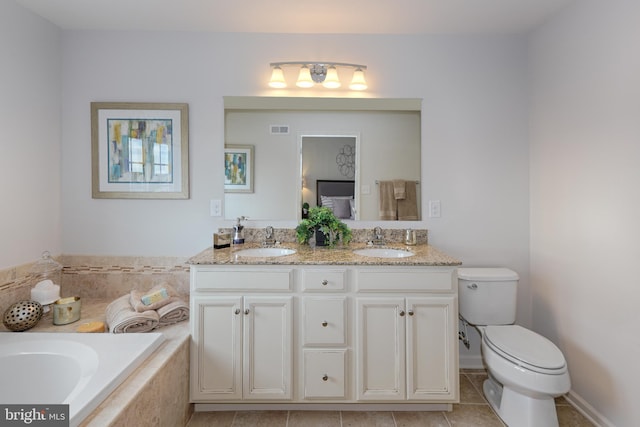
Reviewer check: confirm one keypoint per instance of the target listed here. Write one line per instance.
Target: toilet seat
(525, 348)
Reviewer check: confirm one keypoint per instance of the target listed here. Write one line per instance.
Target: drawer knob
(410, 312)
(325, 282)
(237, 311)
(325, 377)
(325, 323)
(401, 313)
(246, 311)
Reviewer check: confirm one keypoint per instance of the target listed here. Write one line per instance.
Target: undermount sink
(265, 252)
(384, 252)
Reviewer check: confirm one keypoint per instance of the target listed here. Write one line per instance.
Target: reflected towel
(387, 201)
(174, 312)
(399, 189)
(408, 207)
(136, 298)
(122, 318)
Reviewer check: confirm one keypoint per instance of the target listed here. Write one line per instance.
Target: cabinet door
(381, 349)
(216, 349)
(268, 353)
(432, 349)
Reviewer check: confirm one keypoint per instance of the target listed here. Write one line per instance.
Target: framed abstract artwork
(238, 168)
(139, 150)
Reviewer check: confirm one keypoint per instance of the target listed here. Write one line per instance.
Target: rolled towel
(122, 318)
(174, 312)
(158, 298)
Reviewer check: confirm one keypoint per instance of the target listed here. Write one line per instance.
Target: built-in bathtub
(69, 368)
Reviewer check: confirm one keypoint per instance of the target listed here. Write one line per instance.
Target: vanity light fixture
(312, 73)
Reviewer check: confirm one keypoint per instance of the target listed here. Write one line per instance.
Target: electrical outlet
(434, 208)
(216, 207)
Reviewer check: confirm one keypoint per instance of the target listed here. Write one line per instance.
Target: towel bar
(378, 182)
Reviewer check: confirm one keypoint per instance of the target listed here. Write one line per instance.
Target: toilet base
(519, 410)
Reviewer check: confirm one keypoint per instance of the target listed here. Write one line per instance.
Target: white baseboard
(471, 362)
(587, 410)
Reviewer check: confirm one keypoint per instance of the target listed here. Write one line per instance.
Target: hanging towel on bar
(399, 189)
(387, 201)
(408, 207)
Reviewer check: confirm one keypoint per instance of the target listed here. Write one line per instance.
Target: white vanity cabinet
(330, 336)
(405, 348)
(407, 345)
(242, 344)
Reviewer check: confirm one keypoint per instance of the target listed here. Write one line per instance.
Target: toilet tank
(487, 296)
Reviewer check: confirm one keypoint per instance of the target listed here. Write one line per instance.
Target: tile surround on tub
(112, 277)
(99, 277)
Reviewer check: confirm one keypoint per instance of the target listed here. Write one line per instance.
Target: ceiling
(300, 16)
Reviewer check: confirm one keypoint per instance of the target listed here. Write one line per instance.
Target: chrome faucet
(269, 238)
(378, 238)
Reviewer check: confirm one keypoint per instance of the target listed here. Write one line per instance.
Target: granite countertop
(425, 255)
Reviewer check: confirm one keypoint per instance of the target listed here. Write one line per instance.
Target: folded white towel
(174, 312)
(121, 317)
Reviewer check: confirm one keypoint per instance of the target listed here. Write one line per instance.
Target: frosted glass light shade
(331, 81)
(358, 82)
(277, 79)
(304, 78)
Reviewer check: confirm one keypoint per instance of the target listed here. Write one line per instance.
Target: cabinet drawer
(324, 321)
(321, 280)
(427, 279)
(324, 374)
(241, 279)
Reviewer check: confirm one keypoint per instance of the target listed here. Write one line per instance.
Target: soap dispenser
(238, 233)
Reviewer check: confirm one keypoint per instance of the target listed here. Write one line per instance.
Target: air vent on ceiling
(279, 129)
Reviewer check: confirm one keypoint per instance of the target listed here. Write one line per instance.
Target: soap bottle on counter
(238, 233)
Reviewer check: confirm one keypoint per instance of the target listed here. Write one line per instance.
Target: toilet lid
(523, 346)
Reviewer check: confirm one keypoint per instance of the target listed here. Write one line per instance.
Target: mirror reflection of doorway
(330, 158)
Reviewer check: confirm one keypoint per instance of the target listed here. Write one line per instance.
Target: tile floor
(472, 411)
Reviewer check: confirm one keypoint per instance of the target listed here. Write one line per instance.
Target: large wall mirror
(302, 144)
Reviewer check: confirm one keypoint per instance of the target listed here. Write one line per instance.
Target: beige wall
(30, 156)
(585, 202)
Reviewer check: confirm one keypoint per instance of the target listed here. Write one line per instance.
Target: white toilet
(526, 370)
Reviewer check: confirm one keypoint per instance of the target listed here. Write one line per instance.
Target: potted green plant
(328, 228)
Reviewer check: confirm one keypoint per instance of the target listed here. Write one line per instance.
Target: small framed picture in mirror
(238, 168)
